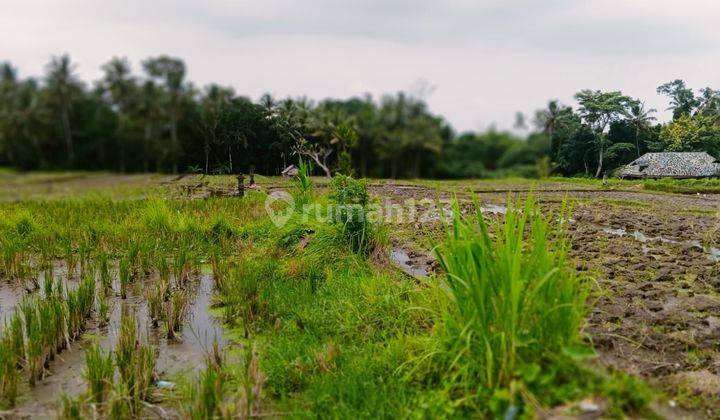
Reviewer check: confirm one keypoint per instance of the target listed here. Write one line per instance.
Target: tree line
(159, 121)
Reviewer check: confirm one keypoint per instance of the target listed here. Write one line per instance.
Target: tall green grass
(9, 374)
(175, 310)
(303, 184)
(204, 396)
(99, 371)
(135, 362)
(515, 302)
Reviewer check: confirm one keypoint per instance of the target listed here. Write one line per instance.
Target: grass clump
(125, 275)
(70, 408)
(99, 372)
(351, 215)
(223, 393)
(118, 383)
(243, 300)
(303, 184)
(175, 310)
(221, 228)
(515, 304)
(204, 395)
(9, 374)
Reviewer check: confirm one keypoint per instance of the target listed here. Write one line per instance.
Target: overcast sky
(485, 60)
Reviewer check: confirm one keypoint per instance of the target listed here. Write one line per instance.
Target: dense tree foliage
(158, 121)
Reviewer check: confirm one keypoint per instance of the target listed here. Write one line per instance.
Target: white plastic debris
(165, 385)
(588, 406)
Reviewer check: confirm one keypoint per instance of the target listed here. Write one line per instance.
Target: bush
(350, 198)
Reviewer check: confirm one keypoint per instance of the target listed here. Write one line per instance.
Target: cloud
(486, 59)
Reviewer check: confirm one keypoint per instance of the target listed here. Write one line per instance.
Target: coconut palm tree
(547, 119)
(171, 73)
(119, 88)
(640, 118)
(61, 86)
(150, 112)
(211, 108)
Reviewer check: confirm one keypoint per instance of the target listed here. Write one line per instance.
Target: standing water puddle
(493, 209)
(12, 292)
(713, 253)
(199, 331)
(402, 260)
(10, 296)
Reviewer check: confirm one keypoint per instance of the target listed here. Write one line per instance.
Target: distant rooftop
(672, 165)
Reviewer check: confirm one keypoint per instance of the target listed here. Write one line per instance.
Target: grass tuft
(515, 301)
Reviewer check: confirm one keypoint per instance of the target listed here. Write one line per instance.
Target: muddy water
(493, 209)
(712, 252)
(402, 260)
(10, 296)
(65, 373)
(199, 332)
(13, 292)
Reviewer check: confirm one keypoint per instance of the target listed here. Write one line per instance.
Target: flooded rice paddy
(176, 357)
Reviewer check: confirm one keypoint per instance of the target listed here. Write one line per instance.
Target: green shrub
(350, 198)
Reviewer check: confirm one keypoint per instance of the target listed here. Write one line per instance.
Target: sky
(476, 63)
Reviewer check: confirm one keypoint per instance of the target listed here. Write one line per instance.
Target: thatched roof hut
(290, 171)
(672, 165)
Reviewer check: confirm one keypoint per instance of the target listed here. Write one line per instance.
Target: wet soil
(654, 259)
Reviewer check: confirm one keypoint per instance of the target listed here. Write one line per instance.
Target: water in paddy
(65, 373)
(402, 260)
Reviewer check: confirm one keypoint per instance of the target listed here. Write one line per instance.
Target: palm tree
(31, 116)
(61, 86)
(640, 118)
(171, 72)
(547, 119)
(212, 105)
(8, 85)
(150, 112)
(119, 87)
(710, 103)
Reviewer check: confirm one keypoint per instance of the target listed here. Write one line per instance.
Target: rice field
(170, 297)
